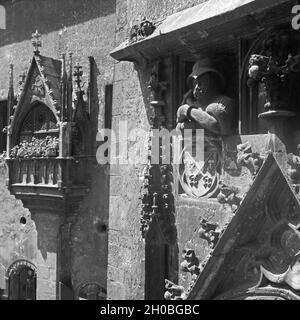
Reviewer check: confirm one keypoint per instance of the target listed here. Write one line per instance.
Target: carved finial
(78, 76)
(36, 42)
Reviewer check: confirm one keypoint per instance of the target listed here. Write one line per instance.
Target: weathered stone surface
(86, 28)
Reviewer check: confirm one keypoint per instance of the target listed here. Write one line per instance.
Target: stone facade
(85, 28)
(157, 231)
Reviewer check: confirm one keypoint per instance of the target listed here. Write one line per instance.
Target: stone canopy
(189, 30)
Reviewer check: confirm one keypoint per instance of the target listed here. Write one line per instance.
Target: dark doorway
(22, 283)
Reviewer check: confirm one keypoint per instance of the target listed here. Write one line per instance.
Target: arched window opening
(22, 281)
(38, 123)
(92, 291)
(38, 135)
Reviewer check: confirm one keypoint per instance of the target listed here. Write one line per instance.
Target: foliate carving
(147, 195)
(251, 160)
(209, 232)
(21, 84)
(294, 172)
(166, 213)
(190, 265)
(276, 68)
(174, 291)
(229, 195)
(141, 30)
(147, 213)
(157, 88)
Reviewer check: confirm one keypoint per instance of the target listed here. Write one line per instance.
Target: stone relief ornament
(38, 88)
(141, 30)
(209, 232)
(190, 263)
(294, 171)
(229, 195)
(201, 178)
(174, 291)
(191, 266)
(291, 277)
(251, 160)
(157, 198)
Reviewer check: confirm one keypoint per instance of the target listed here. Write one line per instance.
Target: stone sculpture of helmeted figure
(205, 107)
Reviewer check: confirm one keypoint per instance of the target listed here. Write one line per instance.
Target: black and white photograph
(149, 151)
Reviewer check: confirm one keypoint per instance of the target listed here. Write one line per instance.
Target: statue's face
(200, 86)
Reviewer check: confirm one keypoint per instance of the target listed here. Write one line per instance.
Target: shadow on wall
(25, 15)
(85, 259)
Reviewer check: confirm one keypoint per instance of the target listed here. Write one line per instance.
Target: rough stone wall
(26, 241)
(126, 270)
(86, 28)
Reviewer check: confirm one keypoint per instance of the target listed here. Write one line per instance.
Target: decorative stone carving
(190, 263)
(36, 42)
(229, 195)
(147, 201)
(294, 171)
(157, 89)
(78, 76)
(141, 30)
(21, 82)
(204, 107)
(209, 232)
(174, 291)
(201, 179)
(38, 88)
(276, 68)
(252, 160)
(264, 235)
(291, 277)
(157, 199)
(47, 162)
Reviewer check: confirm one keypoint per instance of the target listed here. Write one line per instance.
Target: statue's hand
(182, 113)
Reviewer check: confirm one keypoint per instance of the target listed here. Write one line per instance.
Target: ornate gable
(259, 250)
(41, 86)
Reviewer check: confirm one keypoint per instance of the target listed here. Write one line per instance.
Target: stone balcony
(47, 178)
